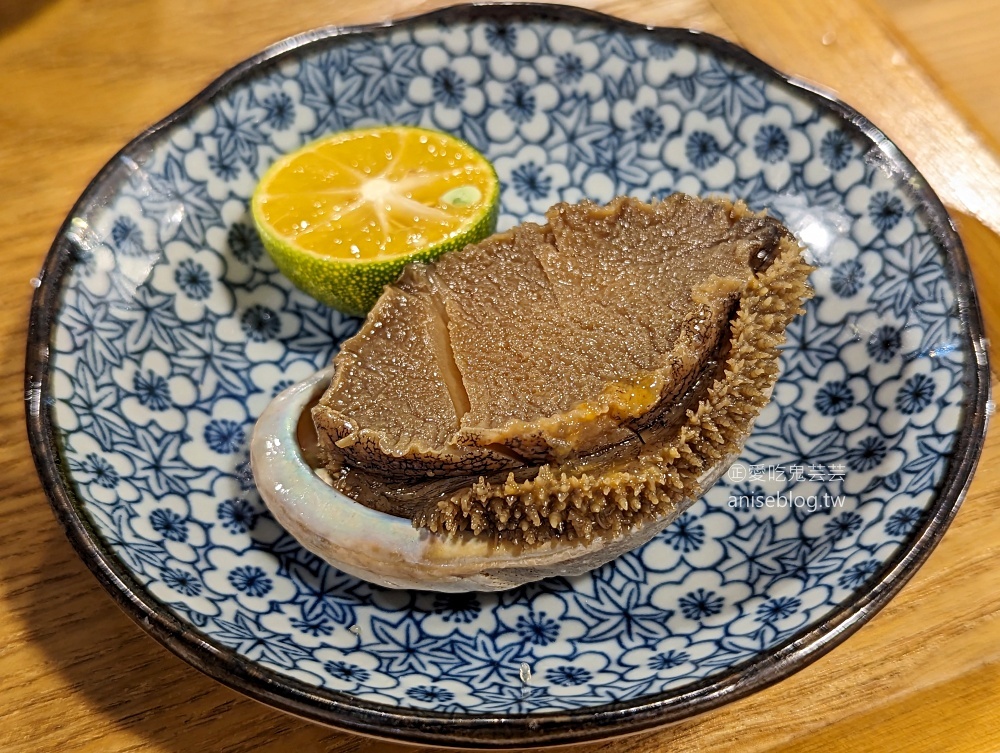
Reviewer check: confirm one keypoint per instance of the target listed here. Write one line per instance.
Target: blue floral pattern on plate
(175, 330)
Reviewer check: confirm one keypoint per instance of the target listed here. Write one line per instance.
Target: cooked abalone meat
(565, 389)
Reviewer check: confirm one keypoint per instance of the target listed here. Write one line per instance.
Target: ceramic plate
(161, 330)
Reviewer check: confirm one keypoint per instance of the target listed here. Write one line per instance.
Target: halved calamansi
(343, 215)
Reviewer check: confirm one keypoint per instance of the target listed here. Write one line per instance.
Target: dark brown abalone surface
(486, 390)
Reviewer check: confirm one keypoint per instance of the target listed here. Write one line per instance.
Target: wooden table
(80, 78)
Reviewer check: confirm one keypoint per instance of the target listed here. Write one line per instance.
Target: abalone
(558, 393)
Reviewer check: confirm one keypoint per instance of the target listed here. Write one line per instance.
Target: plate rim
(347, 712)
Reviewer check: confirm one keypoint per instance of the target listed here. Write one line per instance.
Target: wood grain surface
(80, 78)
